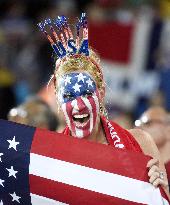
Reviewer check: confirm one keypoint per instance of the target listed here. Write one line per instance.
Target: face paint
(78, 97)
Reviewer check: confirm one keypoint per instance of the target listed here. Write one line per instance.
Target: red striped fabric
(98, 156)
(90, 155)
(73, 195)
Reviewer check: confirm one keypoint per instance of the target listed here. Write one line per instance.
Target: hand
(157, 176)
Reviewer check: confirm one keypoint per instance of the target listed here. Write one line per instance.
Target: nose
(79, 104)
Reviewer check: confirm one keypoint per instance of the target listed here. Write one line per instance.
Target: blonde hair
(79, 62)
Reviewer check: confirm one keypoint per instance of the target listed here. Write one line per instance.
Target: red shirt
(116, 136)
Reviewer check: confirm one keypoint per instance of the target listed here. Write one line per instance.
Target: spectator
(156, 121)
(34, 112)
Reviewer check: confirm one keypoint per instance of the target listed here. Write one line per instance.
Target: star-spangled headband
(64, 43)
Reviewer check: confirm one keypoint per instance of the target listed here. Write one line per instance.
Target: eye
(68, 96)
(88, 93)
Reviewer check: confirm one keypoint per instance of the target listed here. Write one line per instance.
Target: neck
(98, 134)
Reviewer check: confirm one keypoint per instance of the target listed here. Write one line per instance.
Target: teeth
(80, 116)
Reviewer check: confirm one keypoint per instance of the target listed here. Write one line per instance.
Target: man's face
(156, 129)
(79, 100)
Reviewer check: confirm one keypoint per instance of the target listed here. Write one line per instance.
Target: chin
(81, 134)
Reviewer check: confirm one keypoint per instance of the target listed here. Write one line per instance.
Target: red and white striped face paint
(79, 100)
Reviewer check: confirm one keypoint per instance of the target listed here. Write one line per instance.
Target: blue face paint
(74, 85)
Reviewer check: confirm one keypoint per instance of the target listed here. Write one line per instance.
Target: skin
(158, 126)
(145, 141)
(154, 165)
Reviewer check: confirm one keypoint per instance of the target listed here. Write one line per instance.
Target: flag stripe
(40, 200)
(71, 194)
(95, 180)
(66, 149)
(64, 108)
(87, 102)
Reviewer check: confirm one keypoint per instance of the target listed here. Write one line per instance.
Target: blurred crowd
(26, 61)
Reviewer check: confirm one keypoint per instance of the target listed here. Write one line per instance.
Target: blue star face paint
(74, 85)
(78, 97)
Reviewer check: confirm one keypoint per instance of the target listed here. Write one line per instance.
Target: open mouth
(81, 119)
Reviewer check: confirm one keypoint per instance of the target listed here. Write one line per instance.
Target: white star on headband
(76, 87)
(80, 77)
(89, 82)
(67, 80)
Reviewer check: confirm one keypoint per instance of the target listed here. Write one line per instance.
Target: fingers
(153, 170)
(155, 175)
(152, 162)
(158, 182)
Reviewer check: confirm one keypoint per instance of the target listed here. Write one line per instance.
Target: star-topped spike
(78, 25)
(59, 25)
(41, 26)
(83, 21)
(63, 21)
(49, 22)
(83, 18)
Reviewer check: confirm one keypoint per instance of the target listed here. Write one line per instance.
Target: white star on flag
(76, 87)
(80, 77)
(89, 82)
(12, 172)
(15, 197)
(1, 182)
(1, 202)
(13, 143)
(0, 156)
(67, 80)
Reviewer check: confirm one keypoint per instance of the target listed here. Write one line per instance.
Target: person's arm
(156, 164)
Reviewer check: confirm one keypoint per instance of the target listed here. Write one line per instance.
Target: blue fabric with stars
(75, 85)
(15, 145)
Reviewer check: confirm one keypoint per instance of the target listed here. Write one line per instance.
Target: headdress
(62, 40)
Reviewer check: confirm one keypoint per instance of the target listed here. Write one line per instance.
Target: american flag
(41, 167)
